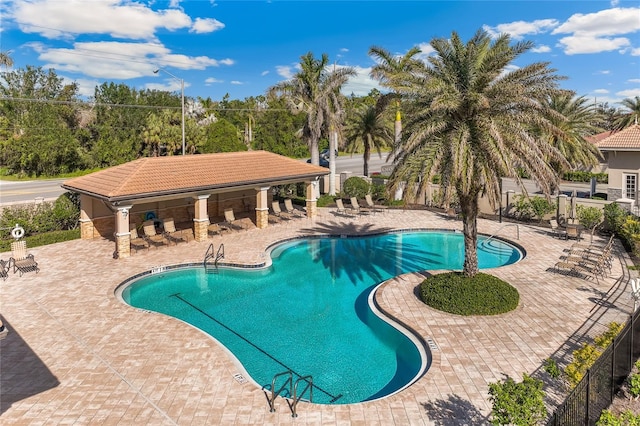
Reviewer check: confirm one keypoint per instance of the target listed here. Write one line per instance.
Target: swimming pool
(310, 310)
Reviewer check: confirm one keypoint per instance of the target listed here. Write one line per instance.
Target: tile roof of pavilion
(181, 175)
(627, 139)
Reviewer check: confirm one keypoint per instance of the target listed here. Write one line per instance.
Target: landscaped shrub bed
(483, 294)
(355, 186)
(44, 239)
(580, 176)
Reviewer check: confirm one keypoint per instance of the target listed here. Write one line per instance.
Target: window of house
(630, 185)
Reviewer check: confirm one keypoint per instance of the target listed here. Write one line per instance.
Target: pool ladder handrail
(275, 393)
(212, 254)
(501, 228)
(296, 398)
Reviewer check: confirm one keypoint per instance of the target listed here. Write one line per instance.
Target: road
(12, 192)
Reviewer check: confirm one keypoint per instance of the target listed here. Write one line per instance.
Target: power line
(83, 103)
(101, 104)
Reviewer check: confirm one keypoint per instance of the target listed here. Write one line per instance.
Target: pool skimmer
(432, 344)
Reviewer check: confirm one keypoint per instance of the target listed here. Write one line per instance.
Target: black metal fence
(603, 380)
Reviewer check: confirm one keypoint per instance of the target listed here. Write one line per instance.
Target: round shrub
(483, 294)
(355, 187)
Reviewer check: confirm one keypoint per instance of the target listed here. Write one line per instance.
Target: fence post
(613, 369)
(588, 398)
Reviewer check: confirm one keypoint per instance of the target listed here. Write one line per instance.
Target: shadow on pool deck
(24, 374)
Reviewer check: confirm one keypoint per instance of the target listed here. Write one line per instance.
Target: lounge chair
(556, 230)
(573, 232)
(355, 206)
(4, 269)
(21, 260)
(150, 234)
(135, 241)
(217, 227)
(603, 257)
(288, 206)
(372, 206)
(578, 269)
(231, 221)
(277, 211)
(592, 246)
(340, 209)
(171, 233)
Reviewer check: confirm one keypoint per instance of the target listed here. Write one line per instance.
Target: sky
(243, 47)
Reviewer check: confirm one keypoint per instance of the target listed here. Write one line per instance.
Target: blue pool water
(309, 311)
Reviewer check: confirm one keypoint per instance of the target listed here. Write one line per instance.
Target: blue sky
(244, 47)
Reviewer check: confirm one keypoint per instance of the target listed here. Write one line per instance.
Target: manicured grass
(483, 294)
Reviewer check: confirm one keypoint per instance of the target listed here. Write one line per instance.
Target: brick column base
(262, 218)
(86, 230)
(312, 208)
(123, 245)
(201, 230)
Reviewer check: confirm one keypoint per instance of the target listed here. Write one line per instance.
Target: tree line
(46, 129)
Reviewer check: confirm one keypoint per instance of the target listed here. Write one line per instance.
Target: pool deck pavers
(75, 354)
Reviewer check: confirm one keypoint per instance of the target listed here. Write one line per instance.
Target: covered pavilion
(189, 189)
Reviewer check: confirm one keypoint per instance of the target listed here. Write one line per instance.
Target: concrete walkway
(75, 354)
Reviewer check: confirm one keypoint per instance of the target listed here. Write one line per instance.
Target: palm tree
(5, 60)
(630, 118)
(577, 119)
(473, 122)
(393, 71)
(370, 129)
(315, 90)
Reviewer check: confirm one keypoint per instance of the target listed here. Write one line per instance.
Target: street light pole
(182, 99)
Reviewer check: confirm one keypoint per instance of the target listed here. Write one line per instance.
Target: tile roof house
(188, 189)
(621, 151)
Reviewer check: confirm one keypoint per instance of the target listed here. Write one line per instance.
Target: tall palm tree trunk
(367, 155)
(469, 206)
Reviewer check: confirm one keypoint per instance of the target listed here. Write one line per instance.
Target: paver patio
(75, 354)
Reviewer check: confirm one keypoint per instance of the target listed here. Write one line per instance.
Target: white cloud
(587, 44)
(236, 82)
(263, 73)
(600, 91)
(519, 29)
(361, 84)
(607, 22)
(594, 32)
(170, 85)
(629, 93)
(426, 50)
(212, 80)
(118, 18)
(541, 49)
(206, 25)
(106, 60)
(226, 61)
(86, 87)
(604, 72)
(635, 51)
(614, 3)
(344, 50)
(634, 80)
(284, 71)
